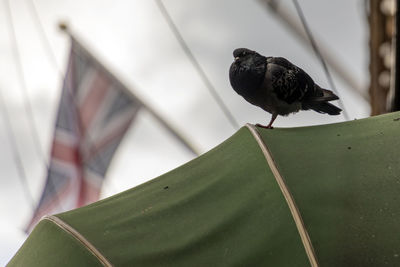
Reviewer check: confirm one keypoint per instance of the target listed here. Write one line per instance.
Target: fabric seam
(305, 238)
(74, 233)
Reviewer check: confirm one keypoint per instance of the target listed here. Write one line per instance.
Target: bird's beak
(236, 58)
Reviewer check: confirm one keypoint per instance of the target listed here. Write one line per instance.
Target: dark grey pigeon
(277, 86)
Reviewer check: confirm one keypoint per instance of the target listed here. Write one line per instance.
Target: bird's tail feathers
(327, 95)
(323, 107)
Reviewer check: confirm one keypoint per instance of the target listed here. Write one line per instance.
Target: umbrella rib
(305, 238)
(70, 230)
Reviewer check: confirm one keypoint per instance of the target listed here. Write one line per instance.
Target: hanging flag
(95, 112)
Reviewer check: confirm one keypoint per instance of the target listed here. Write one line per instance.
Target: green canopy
(324, 195)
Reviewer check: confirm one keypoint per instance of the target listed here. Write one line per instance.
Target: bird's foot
(265, 127)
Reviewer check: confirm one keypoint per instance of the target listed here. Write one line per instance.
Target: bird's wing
(289, 82)
(281, 61)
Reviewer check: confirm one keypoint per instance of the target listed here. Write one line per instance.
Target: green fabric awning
(324, 195)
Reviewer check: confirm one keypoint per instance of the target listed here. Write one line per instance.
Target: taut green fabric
(221, 209)
(225, 208)
(50, 246)
(345, 179)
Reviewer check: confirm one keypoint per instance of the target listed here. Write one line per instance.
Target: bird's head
(243, 53)
(247, 71)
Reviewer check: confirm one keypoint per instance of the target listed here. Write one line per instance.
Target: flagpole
(179, 136)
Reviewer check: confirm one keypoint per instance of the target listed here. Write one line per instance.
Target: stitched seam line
(305, 238)
(70, 230)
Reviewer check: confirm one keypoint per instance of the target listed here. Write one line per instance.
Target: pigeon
(277, 86)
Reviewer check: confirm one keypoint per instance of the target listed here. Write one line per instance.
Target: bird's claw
(265, 127)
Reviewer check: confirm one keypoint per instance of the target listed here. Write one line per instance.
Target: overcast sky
(133, 40)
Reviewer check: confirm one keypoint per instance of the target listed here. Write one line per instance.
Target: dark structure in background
(382, 31)
(396, 98)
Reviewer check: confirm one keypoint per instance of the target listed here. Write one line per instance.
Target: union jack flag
(94, 113)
